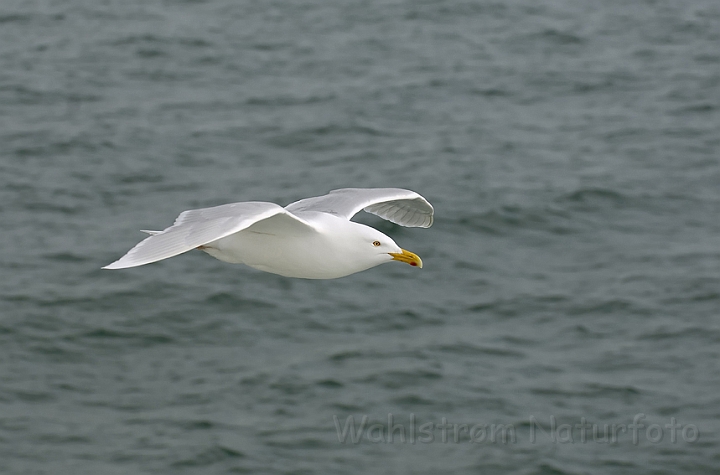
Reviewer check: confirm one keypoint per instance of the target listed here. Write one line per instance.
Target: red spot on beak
(414, 264)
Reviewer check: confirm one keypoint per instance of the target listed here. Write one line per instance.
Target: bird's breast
(309, 257)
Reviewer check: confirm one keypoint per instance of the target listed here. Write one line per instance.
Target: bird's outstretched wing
(403, 207)
(198, 227)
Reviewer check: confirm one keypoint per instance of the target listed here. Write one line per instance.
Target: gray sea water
(566, 320)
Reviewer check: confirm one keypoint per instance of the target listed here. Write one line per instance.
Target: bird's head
(383, 249)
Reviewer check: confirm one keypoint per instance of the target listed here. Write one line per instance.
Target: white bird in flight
(311, 238)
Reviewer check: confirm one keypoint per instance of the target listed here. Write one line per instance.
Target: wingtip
(118, 264)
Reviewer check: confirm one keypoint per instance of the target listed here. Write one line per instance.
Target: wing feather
(198, 227)
(403, 207)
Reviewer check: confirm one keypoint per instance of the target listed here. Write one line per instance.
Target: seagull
(311, 239)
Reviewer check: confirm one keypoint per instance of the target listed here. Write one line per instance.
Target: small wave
(27, 396)
(469, 349)
(518, 305)
(402, 379)
(25, 95)
(209, 456)
(501, 220)
(491, 92)
(557, 37)
(277, 46)
(411, 400)
(299, 443)
(15, 18)
(694, 334)
(329, 383)
(237, 302)
(322, 137)
(283, 101)
(347, 355)
(700, 108)
(594, 195)
(142, 339)
(592, 390)
(611, 307)
(67, 257)
(548, 469)
(150, 39)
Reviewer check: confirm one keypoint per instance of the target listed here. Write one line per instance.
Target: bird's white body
(298, 253)
(311, 238)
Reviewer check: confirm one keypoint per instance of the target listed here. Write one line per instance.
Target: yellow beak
(407, 257)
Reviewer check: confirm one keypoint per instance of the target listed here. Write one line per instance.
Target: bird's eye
(376, 243)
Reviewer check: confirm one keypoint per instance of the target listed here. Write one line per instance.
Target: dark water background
(571, 150)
